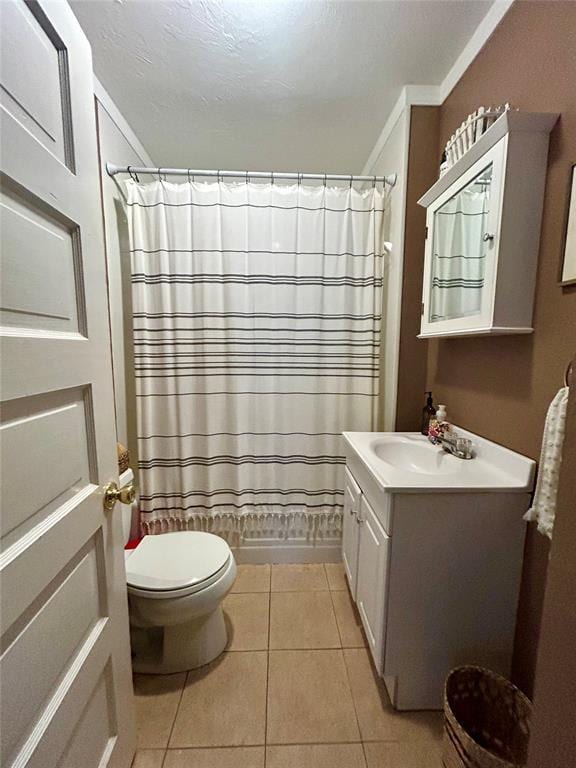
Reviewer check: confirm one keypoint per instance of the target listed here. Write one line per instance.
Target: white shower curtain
(257, 312)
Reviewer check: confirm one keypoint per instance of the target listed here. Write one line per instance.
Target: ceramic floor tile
(309, 699)
(252, 578)
(148, 758)
(247, 621)
(227, 757)
(298, 578)
(348, 620)
(316, 756)
(335, 576)
(378, 720)
(398, 755)
(224, 703)
(302, 620)
(156, 700)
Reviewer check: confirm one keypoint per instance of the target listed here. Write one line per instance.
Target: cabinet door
(350, 531)
(462, 249)
(372, 583)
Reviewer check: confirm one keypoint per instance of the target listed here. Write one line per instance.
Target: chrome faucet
(460, 447)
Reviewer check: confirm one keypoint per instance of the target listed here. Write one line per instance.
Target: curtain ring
(159, 175)
(299, 178)
(133, 174)
(325, 179)
(218, 176)
(247, 178)
(374, 183)
(272, 176)
(351, 180)
(188, 174)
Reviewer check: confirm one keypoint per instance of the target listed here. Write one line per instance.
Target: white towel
(543, 509)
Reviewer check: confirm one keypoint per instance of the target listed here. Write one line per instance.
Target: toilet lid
(177, 560)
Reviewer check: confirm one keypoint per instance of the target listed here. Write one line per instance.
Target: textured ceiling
(301, 85)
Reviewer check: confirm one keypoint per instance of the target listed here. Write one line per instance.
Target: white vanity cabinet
(434, 571)
(483, 232)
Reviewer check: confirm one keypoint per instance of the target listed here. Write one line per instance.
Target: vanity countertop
(409, 462)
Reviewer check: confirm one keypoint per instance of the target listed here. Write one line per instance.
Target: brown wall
(500, 387)
(422, 173)
(553, 740)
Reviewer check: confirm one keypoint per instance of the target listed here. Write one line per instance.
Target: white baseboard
(261, 551)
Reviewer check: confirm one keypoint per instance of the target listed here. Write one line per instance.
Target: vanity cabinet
(483, 232)
(435, 575)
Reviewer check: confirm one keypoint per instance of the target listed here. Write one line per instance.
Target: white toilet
(176, 584)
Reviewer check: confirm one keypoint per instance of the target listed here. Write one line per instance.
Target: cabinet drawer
(380, 501)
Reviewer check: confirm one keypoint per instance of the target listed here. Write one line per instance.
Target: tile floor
(294, 689)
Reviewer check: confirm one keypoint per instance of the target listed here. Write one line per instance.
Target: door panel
(350, 532)
(64, 634)
(40, 264)
(32, 667)
(35, 86)
(29, 425)
(372, 587)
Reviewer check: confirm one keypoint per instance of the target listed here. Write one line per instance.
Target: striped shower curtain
(257, 312)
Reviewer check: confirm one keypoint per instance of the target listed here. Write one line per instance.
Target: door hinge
(422, 308)
(426, 238)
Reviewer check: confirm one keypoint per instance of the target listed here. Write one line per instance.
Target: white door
(372, 587)
(65, 664)
(350, 531)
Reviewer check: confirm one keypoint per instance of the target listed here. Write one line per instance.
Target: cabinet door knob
(487, 237)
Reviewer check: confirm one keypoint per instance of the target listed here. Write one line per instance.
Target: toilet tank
(129, 511)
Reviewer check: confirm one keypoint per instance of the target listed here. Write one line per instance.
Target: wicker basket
(486, 721)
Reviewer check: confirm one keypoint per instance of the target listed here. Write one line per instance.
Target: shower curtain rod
(112, 170)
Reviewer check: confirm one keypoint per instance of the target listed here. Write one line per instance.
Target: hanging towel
(543, 509)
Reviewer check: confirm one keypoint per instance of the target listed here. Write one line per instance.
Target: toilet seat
(176, 564)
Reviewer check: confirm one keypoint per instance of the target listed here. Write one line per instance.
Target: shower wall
(118, 143)
(392, 158)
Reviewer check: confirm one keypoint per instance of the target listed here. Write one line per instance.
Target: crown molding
(434, 95)
(410, 95)
(473, 47)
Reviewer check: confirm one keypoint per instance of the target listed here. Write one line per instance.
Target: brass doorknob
(125, 495)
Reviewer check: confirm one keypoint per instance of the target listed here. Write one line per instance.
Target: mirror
(460, 248)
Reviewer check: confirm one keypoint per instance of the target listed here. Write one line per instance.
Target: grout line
(267, 671)
(176, 714)
(312, 743)
(291, 744)
(353, 700)
(337, 622)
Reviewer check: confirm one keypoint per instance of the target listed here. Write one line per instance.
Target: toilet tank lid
(177, 560)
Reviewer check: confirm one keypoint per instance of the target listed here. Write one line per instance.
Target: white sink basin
(408, 461)
(422, 458)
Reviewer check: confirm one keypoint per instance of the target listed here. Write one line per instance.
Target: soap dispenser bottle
(441, 415)
(428, 413)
